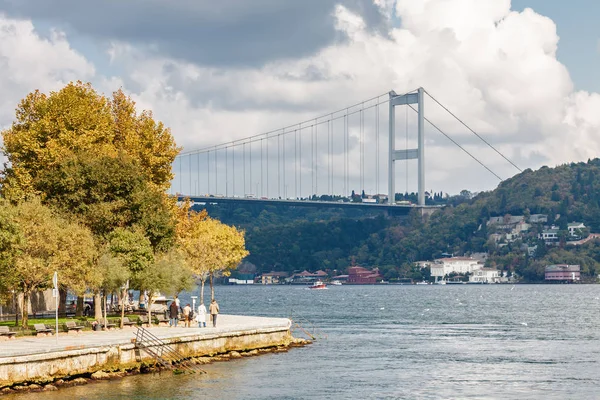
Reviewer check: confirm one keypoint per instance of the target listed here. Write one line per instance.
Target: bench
(109, 326)
(71, 327)
(42, 330)
(127, 322)
(5, 332)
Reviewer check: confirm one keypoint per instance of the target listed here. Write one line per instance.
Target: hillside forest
(294, 239)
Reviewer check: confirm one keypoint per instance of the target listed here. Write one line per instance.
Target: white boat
(423, 283)
(318, 285)
(335, 283)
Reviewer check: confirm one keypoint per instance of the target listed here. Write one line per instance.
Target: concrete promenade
(43, 360)
(226, 324)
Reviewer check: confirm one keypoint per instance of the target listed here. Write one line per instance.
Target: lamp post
(55, 295)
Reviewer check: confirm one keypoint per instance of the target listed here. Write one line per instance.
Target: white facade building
(574, 227)
(485, 275)
(460, 265)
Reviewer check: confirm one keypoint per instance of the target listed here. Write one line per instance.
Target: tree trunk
(105, 297)
(212, 287)
(24, 307)
(62, 301)
(124, 293)
(142, 299)
(202, 282)
(79, 309)
(98, 307)
(16, 307)
(149, 306)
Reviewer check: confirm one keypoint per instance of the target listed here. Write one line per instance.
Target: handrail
(162, 352)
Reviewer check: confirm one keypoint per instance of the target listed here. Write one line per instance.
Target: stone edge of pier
(20, 372)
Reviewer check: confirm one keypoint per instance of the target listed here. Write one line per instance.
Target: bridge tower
(407, 154)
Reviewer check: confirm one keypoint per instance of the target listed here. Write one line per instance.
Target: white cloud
(495, 68)
(29, 62)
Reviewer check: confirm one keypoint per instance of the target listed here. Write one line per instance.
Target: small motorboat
(335, 283)
(318, 285)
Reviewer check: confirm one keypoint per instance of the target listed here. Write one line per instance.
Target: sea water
(398, 342)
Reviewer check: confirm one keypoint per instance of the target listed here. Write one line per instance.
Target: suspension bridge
(321, 162)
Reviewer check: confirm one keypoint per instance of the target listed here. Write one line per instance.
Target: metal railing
(162, 352)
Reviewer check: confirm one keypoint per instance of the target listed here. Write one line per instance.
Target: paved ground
(29, 345)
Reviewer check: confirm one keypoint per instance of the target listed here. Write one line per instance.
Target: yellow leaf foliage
(77, 119)
(210, 245)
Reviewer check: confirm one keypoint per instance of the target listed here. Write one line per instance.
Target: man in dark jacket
(173, 314)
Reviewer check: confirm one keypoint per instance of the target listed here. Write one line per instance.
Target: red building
(563, 272)
(360, 275)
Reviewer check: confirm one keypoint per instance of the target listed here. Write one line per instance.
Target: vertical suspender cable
(190, 173)
(295, 163)
(328, 158)
(331, 163)
(312, 160)
(300, 160)
(283, 165)
(216, 177)
(208, 172)
(251, 183)
(261, 168)
(233, 162)
(180, 181)
(226, 173)
(278, 166)
(316, 158)
(244, 169)
(377, 146)
(267, 193)
(406, 130)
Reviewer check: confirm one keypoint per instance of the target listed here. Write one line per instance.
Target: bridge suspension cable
(456, 143)
(472, 131)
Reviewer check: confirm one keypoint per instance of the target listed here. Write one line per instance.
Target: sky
(522, 74)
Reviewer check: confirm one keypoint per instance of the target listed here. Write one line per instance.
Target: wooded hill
(298, 239)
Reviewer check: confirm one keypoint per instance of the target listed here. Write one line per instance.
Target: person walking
(173, 314)
(214, 311)
(187, 315)
(201, 317)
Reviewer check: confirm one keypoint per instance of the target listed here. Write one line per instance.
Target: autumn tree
(115, 274)
(10, 242)
(49, 244)
(77, 119)
(93, 158)
(106, 193)
(167, 274)
(210, 246)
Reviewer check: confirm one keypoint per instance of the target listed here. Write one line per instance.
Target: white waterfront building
(485, 275)
(459, 265)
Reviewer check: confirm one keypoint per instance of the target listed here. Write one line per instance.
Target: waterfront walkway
(31, 345)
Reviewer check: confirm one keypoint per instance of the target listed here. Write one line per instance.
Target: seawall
(43, 360)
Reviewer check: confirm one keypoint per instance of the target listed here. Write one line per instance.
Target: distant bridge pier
(406, 154)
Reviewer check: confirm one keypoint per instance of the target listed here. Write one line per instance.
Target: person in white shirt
(201, 317)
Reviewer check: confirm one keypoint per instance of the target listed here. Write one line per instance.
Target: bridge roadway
(396, 209)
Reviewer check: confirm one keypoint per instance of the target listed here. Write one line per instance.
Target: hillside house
(563, 272)
(575, 228)
(538, 218)
(549, 235)
(508, 222)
